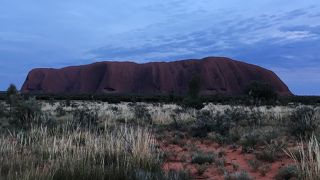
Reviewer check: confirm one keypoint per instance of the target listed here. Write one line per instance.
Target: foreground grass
(95, 140)
(63, 153)
(307, 159)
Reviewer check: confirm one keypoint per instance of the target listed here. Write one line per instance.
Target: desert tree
(261, 91)
(193, 100)
(12, 96)
(194, 86)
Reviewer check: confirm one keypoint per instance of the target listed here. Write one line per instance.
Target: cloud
(58, 33)
(229, 38)
(266, 40)
(295, 35)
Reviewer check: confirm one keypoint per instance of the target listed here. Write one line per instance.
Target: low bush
(203, 125)
(272, 151)
(304, 121)
(85, 118)
(201, 169)
(254, 164)
(235, 166)
(193, 100)
(269, 135)
(142, 114)
(221, 122)
(60, 110)
(224, 122)
(176, 113)
(195, 103)
(264, 169)
(20, 113)
(220, 162)
(3, 110)
(202, 158)
(242, 175)
(250, 140)
(25, 113)
(3, 116)
(287, 173)
(253, 117)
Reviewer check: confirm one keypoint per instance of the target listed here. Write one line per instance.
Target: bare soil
(179, 156)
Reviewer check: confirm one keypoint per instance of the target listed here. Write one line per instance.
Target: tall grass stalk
(307, 159)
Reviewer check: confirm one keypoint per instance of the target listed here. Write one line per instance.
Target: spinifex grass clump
(124, 153)
(308, 159)
(202, 158)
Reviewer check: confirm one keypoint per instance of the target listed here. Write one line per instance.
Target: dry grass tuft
(307, 159)
(39, 153)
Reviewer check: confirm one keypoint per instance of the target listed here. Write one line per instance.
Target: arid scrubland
(97, 140)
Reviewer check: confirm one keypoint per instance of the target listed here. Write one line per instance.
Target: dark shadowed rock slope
(217, 74)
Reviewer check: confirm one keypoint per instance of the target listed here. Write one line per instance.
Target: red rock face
(218, 76)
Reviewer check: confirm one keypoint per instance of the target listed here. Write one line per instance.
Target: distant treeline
(222, 99)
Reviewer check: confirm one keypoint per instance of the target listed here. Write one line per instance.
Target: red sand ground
(179, 158)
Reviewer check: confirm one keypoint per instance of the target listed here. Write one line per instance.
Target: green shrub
(220, 162)
(176, 112)
(21, 113)
(60, 110)
(264, 169)
(195, 103)
(304, 121)
(235, 166)
(192, 100)
(142, 114)
(249, 141)
(254, 164)
(221, 123)
(261, 91)
(236, 114)
(243, 175)
(204, 124)
(269, 135)
(272, 151)
(254, 117)
(287, 173)
(173, 175)
(202, 158)
(177, 140)
(194, 86)
(218, 138)
(12, 95)
(3, 111)
(201, 169)
(224, 122)
(85, 118)
(26, 113)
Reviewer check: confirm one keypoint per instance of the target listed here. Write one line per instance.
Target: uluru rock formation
(218, 75)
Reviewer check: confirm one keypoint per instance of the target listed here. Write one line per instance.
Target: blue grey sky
(281, 35)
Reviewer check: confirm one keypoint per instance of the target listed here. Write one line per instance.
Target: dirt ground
(179, 156)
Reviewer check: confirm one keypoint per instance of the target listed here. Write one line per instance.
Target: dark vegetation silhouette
(261, 91)
(192, 99)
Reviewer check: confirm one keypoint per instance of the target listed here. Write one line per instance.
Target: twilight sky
(282, 35)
